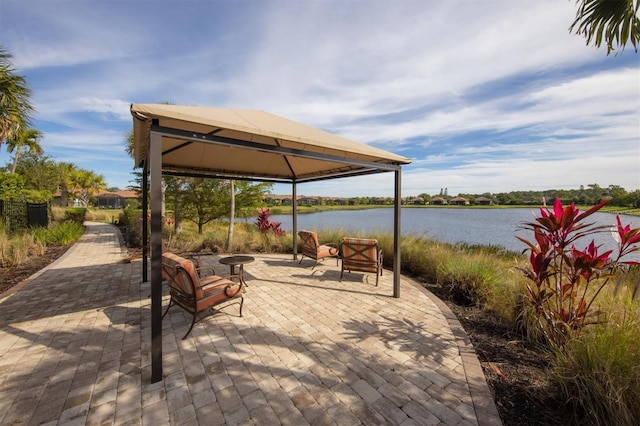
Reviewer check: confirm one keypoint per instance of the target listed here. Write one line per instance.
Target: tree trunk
(177, 214)
(232, 215)
(15, 160)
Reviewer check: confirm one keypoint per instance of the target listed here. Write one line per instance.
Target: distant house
(114, 200)
(484, 201)
(438, 201)
(459, 201)
(337, 201)
(308, 201)
(276, 200)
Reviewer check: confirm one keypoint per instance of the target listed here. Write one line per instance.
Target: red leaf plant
(563, 280)
(265, 225)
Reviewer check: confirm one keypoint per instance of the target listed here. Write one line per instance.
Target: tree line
(592, 194)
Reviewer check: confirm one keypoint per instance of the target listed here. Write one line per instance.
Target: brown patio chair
(195, 293)
(362, 255)
(314, 250)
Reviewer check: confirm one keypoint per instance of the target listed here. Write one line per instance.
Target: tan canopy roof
(250, 143)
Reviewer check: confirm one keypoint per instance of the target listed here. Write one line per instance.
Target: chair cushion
(325, 251)
(214, 294)
(314, 250)
(183, 272)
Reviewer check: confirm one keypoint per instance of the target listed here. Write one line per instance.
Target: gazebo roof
(222, 142)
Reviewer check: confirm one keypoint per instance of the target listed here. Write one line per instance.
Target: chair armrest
(216, 281)
(206, 268)
(333, 246)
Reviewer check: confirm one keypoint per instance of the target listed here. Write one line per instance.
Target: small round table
(234, 261)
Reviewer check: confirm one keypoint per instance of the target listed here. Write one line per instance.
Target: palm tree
(66, 172)
(614, 21)
(87, 183)
(15, 106)
(24, 138)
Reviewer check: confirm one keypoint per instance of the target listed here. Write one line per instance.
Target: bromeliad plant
(563, 280)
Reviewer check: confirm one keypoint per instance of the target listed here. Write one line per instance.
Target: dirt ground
(515, 371)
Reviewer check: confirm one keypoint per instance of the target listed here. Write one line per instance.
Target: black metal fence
(18, 215)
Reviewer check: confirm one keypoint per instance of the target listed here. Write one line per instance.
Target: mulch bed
(11, 276)
(516, 371)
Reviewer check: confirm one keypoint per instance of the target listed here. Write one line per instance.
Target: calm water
(475, 226)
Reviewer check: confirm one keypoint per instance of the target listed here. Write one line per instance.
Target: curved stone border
(483, 401)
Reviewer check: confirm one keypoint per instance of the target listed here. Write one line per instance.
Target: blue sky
(483, 96)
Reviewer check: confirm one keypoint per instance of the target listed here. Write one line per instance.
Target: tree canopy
(15, 102)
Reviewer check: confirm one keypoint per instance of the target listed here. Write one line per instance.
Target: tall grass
(18, 248)
(599, 371)
(102, 215)
(246, 239)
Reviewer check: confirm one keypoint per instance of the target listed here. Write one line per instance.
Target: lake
(474, 226)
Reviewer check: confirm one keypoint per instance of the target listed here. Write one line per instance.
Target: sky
(483, 96)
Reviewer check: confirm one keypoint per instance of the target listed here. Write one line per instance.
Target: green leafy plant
(62, 234)
(564, 281)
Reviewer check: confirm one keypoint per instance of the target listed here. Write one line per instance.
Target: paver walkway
(75, 349)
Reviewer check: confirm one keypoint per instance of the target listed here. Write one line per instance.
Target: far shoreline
(275, 210)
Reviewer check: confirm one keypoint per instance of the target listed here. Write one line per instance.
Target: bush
(76, 214)
(565, 281)
(131, 218)
(58, 214)
(64, 234)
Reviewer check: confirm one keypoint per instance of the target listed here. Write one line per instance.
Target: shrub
(265, 225)
(58, 214)
(76, 214)
(63, 234)
(132, 219)
(564, 281)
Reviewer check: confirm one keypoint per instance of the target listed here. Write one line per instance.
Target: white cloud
(53, 34)
(430, 78)
(523, 174)
(87, 146)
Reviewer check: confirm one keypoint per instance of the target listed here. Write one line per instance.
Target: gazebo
(240, 144)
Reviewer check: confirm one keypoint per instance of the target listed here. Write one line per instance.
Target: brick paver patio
(75, 349)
